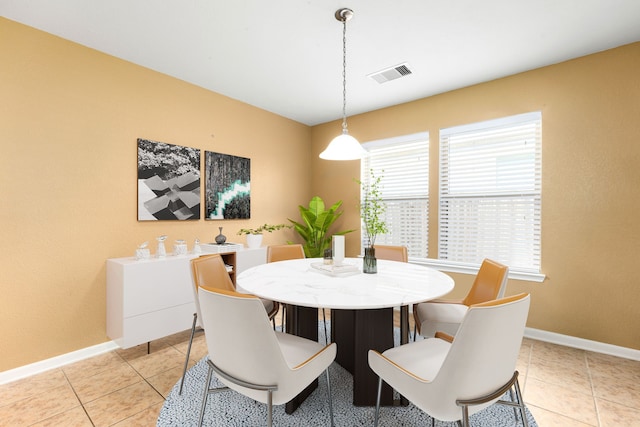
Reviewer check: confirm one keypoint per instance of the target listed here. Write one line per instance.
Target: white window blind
(403, 164)
(490, 182)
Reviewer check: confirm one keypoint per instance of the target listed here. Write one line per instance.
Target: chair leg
(324, 322)
(205, 395)
(269, 408)
(284, 317)
(520, 400)
(465, 416)
(186, 360)
(375, 422)
(330, 398)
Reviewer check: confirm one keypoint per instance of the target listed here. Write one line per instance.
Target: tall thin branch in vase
(372, 208)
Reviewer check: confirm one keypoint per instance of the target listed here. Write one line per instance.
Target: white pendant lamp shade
(343, 147)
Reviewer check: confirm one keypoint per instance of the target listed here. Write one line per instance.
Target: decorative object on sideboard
(227, 186)
(180, 247)
(372, 211)
(316, 221)
(220, 238)
(254, 235)
(142, 252)
(197, 250)
(168, 181)
(162, 251)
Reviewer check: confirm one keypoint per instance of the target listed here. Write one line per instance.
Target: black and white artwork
(228, 186)
(168, 181)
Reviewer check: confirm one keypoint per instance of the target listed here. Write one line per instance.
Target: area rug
(232, 409)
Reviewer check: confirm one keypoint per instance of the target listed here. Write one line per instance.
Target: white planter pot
(254, 241)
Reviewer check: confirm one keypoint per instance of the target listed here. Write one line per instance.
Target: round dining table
(361, 306)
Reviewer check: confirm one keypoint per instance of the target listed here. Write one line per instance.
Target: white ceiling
(285, 56)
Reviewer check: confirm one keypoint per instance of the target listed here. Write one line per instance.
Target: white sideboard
(151, 299)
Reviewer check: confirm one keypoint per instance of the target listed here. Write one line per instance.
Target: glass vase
(370, 264)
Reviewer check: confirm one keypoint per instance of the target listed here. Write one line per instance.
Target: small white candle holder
(197, 250)
(162, 251)
(142, 252)
(180, 248)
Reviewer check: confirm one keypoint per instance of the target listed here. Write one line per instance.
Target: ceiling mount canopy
(344, 146)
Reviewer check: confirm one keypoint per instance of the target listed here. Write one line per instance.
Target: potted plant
(372, 210)
(254, 235)
(315, 224)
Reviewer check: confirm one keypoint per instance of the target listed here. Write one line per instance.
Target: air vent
(392, 73)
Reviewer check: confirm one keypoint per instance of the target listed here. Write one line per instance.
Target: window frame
(479, 127)
(364, 176)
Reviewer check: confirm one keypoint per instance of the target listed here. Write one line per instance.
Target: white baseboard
(85, 353)
(582, 344)
(55, 362)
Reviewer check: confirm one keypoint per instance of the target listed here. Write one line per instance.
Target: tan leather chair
(284, 252)
(248, 356)
(210, 271)
(277, 253)
(445, 315)
(400, 254)
(392, 253)
(479, 364)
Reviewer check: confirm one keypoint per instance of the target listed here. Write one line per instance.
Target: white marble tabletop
(297, 282)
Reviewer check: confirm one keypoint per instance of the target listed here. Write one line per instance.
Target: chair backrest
(208, 271)
(483, 355)
(243, 344)
(284, 252)
(490, 283)
(392, 253)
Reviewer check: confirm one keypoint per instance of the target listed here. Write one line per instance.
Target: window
(403, 164)
(490, 184)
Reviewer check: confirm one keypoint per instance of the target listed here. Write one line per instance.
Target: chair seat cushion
(422, 358)
(439, 316)
(297, 350)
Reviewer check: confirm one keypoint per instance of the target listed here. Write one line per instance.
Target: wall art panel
(228, 186)
(168, 181)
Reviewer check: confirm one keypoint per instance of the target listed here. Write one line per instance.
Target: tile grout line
(593, 390)
(78, 397)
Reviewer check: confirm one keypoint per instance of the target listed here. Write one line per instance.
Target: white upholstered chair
(248, 356)
(444, 315)
(453, 378)
(209, 270)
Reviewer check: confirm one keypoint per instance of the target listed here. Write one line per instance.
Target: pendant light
(344, 146)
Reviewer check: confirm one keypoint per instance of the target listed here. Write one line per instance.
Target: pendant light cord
(344, 74)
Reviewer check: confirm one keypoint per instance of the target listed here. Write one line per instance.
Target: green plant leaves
(316, 221)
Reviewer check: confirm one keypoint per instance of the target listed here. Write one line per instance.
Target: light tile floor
(562, 387)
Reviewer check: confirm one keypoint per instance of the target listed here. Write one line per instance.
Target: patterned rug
(232, 409)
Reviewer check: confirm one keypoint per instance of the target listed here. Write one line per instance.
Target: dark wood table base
(356, 332)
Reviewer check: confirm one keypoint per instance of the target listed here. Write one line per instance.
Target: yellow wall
(590, 190)
(69, 120)
(70, 117)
